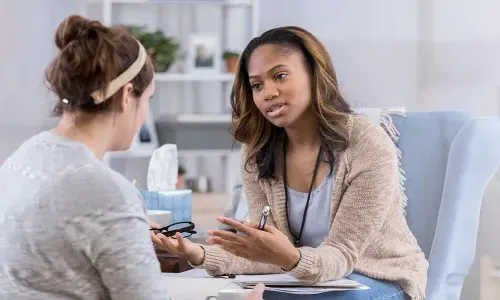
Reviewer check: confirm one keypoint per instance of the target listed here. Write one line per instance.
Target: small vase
(181, 184)
(231, 64)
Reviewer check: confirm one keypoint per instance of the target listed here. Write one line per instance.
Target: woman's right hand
(180, 246)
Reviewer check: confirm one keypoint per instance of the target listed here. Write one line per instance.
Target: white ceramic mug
(231, 294)
(161, 217)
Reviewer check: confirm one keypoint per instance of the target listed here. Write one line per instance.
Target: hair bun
(76, 28)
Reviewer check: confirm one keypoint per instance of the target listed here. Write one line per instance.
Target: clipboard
(282, 283)
(287, 284)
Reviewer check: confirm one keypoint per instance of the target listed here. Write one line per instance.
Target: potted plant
(164, 50)
(231, 59)
(180, 178)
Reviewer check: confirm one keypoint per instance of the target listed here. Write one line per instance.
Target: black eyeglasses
(185, 228)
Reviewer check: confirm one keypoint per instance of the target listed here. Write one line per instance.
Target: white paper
(285, 278)
(250, 280)
(163, 169)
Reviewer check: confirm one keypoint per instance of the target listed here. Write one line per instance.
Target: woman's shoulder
(368, 139)
(362, 130)
(94, 187)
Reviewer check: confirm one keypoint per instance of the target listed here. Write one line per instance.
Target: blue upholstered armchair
(449, 158)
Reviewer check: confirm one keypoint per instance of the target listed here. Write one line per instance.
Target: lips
(274, 107)
(276, 110)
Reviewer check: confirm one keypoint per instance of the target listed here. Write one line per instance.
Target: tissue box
(178, 202)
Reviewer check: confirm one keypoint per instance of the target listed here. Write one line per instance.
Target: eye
(281, 76)
(256, 86)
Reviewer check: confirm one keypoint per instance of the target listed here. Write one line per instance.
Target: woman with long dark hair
(329, 176)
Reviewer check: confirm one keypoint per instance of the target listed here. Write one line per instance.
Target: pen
(229, 276)
(263, 217)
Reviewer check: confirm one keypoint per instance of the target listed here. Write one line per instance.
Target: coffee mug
(231, 294)
(160, 217)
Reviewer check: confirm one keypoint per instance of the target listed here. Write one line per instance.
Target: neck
(304, 134)
(96, 134)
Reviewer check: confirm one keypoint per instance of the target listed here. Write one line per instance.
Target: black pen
(229, 276)
(263, 217)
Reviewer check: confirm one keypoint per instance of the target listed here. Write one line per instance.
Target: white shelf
(206, 152)
(222, 2)
(113, 12)
(204, 118)
(180, 153)
(168, 77)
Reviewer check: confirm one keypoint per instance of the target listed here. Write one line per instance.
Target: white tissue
(163, 168)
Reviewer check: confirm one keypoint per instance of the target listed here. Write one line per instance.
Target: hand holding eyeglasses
(172, 238)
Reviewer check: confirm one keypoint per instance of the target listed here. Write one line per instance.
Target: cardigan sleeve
(372, 181)
(218, 261)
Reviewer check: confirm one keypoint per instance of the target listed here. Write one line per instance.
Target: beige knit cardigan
(368, 231)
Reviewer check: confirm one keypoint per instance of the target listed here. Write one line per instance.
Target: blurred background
(420, 54)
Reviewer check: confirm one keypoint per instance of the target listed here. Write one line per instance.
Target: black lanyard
(297, 238)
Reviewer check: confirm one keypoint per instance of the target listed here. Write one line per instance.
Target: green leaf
(164, 50)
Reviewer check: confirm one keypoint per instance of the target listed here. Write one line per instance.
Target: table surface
(194, 284)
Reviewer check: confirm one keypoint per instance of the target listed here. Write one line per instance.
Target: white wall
(463, 67)
(26, 49)
(422, 54)
(376, 61)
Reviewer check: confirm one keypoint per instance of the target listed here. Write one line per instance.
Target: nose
(270, 91)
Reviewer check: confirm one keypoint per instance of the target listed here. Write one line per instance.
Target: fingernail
(210, 241)
(210, 232)
(220, 219)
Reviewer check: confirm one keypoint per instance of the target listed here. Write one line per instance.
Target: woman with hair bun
(329, 176)
(71, 227)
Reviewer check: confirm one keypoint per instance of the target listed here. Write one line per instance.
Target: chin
(280, 122)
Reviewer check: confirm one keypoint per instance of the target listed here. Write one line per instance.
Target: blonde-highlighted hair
(265, 141)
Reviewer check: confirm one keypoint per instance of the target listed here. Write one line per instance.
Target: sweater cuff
(305, 265)
(214, 258)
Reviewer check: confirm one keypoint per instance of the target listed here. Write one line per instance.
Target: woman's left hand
(267, 246)
(152, 225)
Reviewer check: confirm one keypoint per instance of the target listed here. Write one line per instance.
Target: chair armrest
(473, 160)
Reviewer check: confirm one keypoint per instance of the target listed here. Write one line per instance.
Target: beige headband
(123, 78)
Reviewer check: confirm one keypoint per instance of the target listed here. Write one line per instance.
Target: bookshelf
(189, 99)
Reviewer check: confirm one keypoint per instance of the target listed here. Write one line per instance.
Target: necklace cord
(304, 215)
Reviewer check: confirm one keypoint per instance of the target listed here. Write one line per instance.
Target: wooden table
(171, 263)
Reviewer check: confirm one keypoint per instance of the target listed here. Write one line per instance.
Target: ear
(126, 96)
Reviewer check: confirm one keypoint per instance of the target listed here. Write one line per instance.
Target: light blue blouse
(317, 223)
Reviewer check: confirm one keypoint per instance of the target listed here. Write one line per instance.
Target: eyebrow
(268, 71)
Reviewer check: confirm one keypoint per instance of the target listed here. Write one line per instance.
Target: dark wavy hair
(265, 141)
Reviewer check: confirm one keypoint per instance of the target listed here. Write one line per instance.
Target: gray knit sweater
(71, 228)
